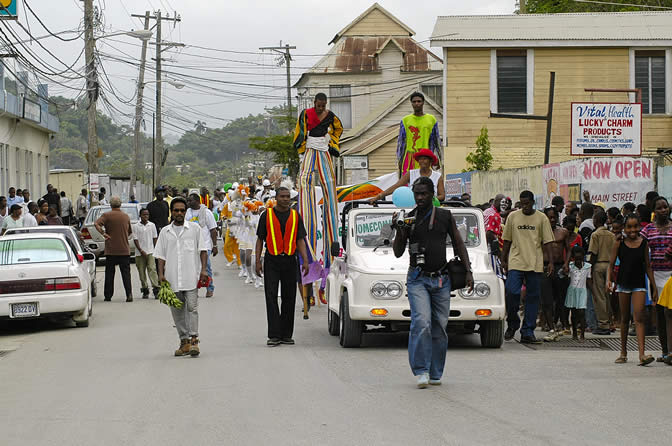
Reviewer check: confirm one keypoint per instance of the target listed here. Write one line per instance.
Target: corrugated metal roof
(618, 26)
(358, 55)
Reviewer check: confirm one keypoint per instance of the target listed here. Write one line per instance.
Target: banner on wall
(601, 129)
(613, 181)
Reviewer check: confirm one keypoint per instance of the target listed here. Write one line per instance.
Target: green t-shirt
(527, 234)
(418, 131)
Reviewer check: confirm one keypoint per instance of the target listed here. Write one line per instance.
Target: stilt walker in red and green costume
(417, 131)
(316, 138)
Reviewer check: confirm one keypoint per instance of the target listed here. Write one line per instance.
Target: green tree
(481, 158)
(557, 6)
(281, 142)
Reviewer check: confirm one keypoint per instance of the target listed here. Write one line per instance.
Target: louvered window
(341, 104)
(511, 82)
(650, 77)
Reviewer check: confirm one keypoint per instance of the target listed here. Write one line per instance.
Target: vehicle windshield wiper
(383, 242)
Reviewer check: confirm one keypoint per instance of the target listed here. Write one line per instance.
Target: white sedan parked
(41, 276)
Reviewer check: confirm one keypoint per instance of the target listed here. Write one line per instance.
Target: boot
(194, 350)
(575, 329)
(145, 292)
(185, 346)
(155, 291)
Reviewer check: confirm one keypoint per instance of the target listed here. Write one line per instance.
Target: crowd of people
(18, 209)
(584, 268)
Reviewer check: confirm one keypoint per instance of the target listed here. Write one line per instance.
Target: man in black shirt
(53, 198)
(283, 231)
(428, 281)
(158, 210)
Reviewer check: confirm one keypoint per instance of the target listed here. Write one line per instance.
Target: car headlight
(386, 289)
(481, 291)
(378, 290)
(394, 289)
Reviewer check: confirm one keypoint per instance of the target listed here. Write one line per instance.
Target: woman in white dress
(426, 159)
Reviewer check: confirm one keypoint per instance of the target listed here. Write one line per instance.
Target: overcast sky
(240, 27)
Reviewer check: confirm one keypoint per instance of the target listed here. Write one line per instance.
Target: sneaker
(287, 341)
(249, 280)
(183, 350)
(258, 283)
(129, 299)
(209, 294)
(228, 264)
(566, 332)
(509, 334)
(423, 380)
(602, 332)
(552, 336)
(530, 340)
(242, 273)
(435, 382)
(273, 342)
(193, 349)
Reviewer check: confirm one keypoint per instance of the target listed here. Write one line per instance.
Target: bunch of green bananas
(167, 296)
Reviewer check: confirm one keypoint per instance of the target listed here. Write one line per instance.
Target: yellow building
(502, 64)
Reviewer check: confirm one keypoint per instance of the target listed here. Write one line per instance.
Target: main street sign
(8, 8)
(606, 129)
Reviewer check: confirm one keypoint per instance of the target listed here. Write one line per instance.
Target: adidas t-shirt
(527, 234)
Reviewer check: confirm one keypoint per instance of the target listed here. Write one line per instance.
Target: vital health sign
(8, 8)
(606, 129)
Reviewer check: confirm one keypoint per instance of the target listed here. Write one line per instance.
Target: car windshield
(35, 250)
(131, 211)
(369, 225)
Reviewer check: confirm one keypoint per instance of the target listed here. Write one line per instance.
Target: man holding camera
(428, 282)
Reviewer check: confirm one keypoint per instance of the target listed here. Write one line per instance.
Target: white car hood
(383, 261)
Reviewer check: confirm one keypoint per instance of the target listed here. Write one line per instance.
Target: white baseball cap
(266, 183)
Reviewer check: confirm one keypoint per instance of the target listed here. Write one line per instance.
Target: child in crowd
(577, 293)
(633, 253)
(574, 237)
(612, 214)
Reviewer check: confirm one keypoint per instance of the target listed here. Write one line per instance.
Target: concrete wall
(71, 181)
(510, 182)
(665, 182)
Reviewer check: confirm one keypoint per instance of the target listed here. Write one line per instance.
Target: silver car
(94, 240)
(75, 242)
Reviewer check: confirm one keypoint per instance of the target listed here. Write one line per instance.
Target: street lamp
(176, 84)
(142, 34)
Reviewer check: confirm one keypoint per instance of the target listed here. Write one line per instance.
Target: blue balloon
(403, 197)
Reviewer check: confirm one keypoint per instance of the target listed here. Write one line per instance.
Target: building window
(341, 104)
(650, 77)
(29, 171)
(512, 81)
(434, 92)
(17, 161)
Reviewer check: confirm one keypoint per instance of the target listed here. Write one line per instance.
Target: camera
(400, 221)
(419, 252)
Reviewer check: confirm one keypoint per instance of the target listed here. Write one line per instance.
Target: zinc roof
(580, 28)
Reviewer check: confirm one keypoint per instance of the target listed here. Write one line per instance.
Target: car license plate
(28, 309)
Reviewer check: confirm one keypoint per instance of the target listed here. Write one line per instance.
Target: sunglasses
(183, 211)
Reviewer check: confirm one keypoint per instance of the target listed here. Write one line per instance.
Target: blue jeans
(211, 287)
(514, 283)
(430, 307)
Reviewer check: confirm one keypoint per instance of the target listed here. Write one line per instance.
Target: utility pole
(284, 51)
(157, 155)
(91, 86)
(138, 110)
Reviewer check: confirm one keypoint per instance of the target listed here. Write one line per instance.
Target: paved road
(117, 382)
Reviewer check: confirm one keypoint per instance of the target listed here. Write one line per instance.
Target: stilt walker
(316, 138)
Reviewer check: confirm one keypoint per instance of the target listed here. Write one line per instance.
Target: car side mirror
(89, 256)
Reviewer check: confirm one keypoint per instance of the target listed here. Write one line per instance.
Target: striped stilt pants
(317, 168)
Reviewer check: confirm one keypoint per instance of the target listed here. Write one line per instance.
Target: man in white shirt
(144, 237)
(13, 220)
(29, 217)
(198, 213)
(66, 209)
(82, 207)
(183, 258)
(12, 198)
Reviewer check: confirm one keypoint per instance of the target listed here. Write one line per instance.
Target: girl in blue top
(577, 293)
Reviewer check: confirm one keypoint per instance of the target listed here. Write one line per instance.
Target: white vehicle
(366, 287)
(41, 276)
(94, 240)
(73, 239)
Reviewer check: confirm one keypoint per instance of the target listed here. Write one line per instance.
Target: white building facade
(25, 131)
